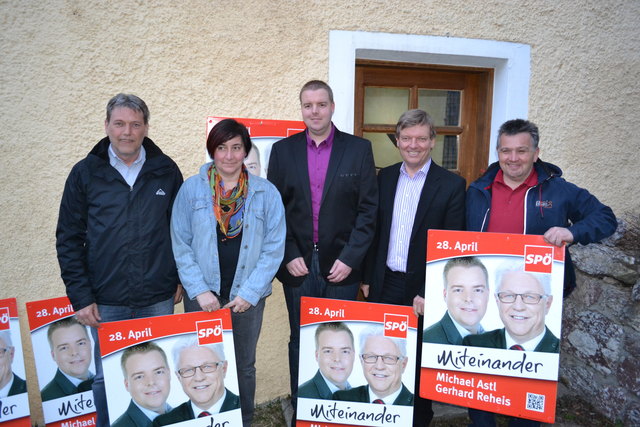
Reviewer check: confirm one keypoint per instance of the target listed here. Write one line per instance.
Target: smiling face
(6, 359)
(204, 390)
(383, 379)
(466, 295)
(229, 157)
(415, 144)
(317, 110)
(516, 156)
(71, 350)
(148, 380)
(335, 355)
(126, 131)
(523, 321)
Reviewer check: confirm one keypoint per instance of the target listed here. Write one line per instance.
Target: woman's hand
(238, 305)
(208, 301)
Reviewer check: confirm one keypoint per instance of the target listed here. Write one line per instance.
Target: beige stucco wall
(62, 60)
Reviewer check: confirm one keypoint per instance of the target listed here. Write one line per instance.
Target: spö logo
(538, 259)
(209, 331)
(396, 325)
(4, 318)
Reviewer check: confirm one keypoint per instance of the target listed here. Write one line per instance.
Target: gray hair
(192, 341)
(413, 118)
(516, 126)
(129, 101)
(6, 337)
(378, 331)
(518, 267)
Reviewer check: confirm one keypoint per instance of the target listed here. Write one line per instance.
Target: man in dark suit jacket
(147, 378)
(184, 412)
(496, 339)
(71, 350)
(327, 182)
(415, 196)
(384, 360)
(523, 299)
(335, 354)
(466, 292)
(361, 394)
(7, 352)
(201, 370)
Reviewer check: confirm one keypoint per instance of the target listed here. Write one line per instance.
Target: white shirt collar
(529, 345)
(214, 409)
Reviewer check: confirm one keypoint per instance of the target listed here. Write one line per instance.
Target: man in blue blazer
(327, 182)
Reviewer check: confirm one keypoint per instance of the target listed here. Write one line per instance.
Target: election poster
(178, 369)
(14, 401)
(264, 133)
(492, 321)
(357, 364)
(64, 362)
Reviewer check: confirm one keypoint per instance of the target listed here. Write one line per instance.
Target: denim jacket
(194, 241)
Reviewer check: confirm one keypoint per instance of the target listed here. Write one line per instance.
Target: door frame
(511, 63)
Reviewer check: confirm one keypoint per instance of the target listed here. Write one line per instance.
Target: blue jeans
(314, 285)
(112, 313)
(246, 331)
(488, 419)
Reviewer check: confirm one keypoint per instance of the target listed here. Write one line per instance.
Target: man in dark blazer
(201, 370)
(7, 352)
(184, 412)
(466, 292)
(523, 299)
(335, 354)
(71, 350)
(327, 182)
(415, 196)
(148, 379)
(384, 360)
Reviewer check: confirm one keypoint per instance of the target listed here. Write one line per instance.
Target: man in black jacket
(112, 238)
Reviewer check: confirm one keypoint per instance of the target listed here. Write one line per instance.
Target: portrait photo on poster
(474, 296)
(66, 366)
(331, 360)
(151, 376)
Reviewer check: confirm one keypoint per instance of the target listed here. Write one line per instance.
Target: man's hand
(238, 305)
(297, 267)
(365, 289)
(338, 272)
(418, 305)
(208, 301)
(89, 316)
(177, 298)
(558, 235)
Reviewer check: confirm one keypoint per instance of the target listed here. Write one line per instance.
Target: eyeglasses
(4, 351)
(510, 298)
(386, 359)
(207, 368)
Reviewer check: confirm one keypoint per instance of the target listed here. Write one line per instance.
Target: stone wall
(600, 361)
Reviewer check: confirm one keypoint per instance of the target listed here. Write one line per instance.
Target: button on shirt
(405, 206)
(129, 173)
(317, 164)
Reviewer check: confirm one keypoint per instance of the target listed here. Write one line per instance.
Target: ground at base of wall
(570, 412)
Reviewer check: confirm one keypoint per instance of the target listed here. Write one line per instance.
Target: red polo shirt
(507, 205)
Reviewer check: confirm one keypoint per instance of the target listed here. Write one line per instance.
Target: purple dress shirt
(317, 164)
